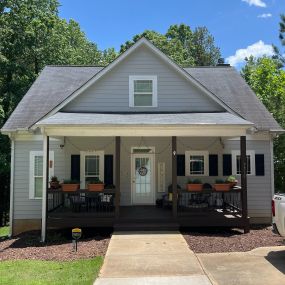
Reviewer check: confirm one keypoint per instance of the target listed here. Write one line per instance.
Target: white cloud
(258, 3)
(257, 49)
(265, 15)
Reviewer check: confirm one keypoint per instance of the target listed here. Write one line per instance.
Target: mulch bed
(231, 240)
(58, 247)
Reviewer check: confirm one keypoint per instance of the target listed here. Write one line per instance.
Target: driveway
(160, 258)
(261, 266)
(150, 258)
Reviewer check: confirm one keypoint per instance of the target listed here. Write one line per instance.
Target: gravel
(231, 240)
(58, 248)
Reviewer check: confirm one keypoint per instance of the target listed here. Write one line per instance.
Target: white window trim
(32, 171)
(132, 78)
(83, 154)
(206, 161)
(251, 153)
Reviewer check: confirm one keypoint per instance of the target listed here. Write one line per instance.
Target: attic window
(143, 91)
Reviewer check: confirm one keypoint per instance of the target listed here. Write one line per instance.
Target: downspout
(11, 215)
(272, 166)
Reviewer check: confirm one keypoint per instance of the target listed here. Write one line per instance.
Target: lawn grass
(36, 272)
(4, 231)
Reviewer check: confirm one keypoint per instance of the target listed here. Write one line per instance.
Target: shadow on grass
(56, 237)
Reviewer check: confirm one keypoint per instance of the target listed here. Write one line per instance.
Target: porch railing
(81, 201)
(228, 202)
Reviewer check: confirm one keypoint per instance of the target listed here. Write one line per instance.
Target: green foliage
(37, 272)
(267, 80)
(4, 232)
(181, 44)
(278, 54)
(54, 179)
(195, 181)
(231, 179)
(95, 180)
(220, 181)
(31, 36)
(70, 181)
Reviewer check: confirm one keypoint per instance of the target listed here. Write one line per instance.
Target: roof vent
(221, 62)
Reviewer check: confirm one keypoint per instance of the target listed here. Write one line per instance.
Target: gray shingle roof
(52, 86)
(228, 85)
(56, 83)
(80, 119)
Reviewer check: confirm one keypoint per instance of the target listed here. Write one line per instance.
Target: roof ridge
(73, 65)
(209, 66)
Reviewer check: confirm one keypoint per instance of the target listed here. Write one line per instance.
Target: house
(144, 126)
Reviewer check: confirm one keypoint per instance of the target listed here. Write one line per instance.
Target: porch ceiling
(147, 124)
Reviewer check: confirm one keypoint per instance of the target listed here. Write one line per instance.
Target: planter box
(69, 187)
(96, 187)
(233, 184)
(222, 187)
(194, 187)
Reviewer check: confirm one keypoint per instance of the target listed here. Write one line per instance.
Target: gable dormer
(143, 82)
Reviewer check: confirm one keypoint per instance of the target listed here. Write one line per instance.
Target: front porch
(194, 209)
(148, 165)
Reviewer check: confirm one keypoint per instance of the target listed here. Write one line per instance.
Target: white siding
(111, 92)
(25, 208)
(259, 187)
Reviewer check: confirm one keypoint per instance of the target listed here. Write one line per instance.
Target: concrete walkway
(261, 266)
(150, 258)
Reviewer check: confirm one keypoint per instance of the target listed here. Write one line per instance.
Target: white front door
(143, 179)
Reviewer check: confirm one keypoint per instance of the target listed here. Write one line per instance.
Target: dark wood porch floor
(143, 218)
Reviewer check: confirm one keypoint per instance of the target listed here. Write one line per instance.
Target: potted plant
(222, 185)
(54, 183)
(110, 186)
(232, 180)
(95, 185)
(70, 185)
(195, 185)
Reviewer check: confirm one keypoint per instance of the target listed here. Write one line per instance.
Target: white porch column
(45, 185)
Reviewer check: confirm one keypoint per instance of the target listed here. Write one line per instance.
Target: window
(36, 173)
(92, 166)
(250, 162)
(143, 91)
(197, 163)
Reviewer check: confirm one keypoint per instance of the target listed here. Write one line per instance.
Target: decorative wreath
(142, 171)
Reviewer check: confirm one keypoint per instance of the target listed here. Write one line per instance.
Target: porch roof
(87, 119)
(144, 124)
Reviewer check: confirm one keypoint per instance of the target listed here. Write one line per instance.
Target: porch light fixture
(62, 144)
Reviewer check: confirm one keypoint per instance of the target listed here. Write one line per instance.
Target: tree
(31, 36)
(267, 80)
(278, 54)
(204, 51)
(181, 44)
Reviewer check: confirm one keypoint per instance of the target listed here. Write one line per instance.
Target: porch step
(146, 226)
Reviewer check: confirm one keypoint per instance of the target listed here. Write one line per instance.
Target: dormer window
(143, 91)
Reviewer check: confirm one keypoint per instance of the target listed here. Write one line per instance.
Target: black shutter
(227, 164)
(108, 169)
(259, 165)
(75, 167)
(180, 165)
(213, 165)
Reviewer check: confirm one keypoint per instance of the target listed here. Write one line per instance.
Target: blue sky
(240, 27)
